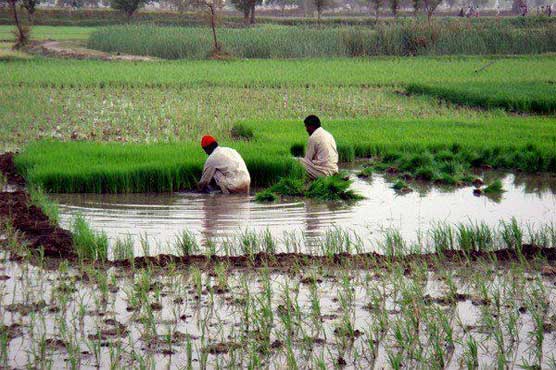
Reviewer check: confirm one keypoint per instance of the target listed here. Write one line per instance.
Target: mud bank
(38, 231)
(286, 261)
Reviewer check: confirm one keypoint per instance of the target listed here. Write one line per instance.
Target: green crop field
(401, 39)
(49, 33)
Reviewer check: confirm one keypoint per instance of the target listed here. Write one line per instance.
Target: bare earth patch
(72, 49)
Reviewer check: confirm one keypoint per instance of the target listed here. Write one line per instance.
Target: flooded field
(487, 316)
(161, 217)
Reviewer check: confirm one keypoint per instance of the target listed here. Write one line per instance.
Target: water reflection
(531, 199)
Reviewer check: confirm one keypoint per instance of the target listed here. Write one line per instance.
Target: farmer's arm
(208, 173)
(311, 149)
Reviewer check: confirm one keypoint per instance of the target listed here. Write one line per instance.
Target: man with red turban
(225, 166)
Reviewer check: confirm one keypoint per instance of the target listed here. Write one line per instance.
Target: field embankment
(404, 38)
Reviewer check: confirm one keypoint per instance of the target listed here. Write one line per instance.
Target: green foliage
(128, 6)
(88, 243)
(534, 97)
(331, 188)
(187, 244)
(266, 196)
(401, 39)
(289, 186)
(241, 132)
(400, 185)
(495, 187)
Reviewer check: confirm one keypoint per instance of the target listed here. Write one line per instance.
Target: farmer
(225, 166)
(321, 157)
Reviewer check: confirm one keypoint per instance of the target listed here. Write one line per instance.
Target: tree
(283, 4)
(320, 5)
(377, 4)
(30, 6)
(211, 8)
(21, 32)
(128, 6)
(429, 6)
(416, 6)
(247, 7)
(395, 7)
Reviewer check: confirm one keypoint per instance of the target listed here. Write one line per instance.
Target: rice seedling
(123, 249)
(495, 187)
(241, 132)
(186, 243)
(89, 243)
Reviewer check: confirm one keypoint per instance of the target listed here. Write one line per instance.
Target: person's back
(226, 167)
(321, 156)
(326, 153)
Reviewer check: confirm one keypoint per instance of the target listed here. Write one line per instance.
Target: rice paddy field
(444, 258)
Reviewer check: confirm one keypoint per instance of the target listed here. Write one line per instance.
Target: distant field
(360, 72)
(49, 33)
(535, 97)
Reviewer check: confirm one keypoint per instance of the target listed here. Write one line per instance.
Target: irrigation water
(160, 218)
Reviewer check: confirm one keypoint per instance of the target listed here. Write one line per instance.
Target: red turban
(207, 140)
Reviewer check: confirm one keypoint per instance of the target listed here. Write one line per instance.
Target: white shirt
(322, 152)
(227, 168)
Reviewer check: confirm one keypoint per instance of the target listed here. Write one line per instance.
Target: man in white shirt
(321, 156)
(225, 166)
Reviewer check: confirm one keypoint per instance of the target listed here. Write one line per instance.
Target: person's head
(312, 123)
(209, 144)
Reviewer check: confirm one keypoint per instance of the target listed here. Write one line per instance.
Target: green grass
(534, 97)
(526, 144)
(403, 38)
(338, 72)
(88, 243)
(41, 33)
(494, 188)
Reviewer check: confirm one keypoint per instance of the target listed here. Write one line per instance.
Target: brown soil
(7, 167)
(29, 219)
(71, 50)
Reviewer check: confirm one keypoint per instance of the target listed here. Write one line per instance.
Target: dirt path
(68, 49)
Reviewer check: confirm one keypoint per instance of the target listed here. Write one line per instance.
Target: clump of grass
(494, 187)
(365, 172)
(266, 196)
(289, 186)
(400, 185)
(186, 243)
(241, 132)
(88, 243)
(332, 188)
(123, 249)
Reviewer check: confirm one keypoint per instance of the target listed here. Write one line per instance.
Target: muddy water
(160, 217)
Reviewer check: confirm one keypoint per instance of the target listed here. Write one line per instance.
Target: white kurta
(228, 170)
(321, 157)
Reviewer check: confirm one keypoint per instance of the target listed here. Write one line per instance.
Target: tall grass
(528, 145)
(400, 39)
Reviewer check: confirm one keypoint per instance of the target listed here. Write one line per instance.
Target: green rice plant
(400, 185)
(512, 234)
(241, 132)
(495, 187)
(266, 196)
(123, 249)
(442, 236)
(365, 172)
(332, 188)
(89, 244)
(289, 186)
(186, 243)
(534, 97)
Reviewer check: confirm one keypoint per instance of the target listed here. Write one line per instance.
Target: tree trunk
(246, 16)
(252, 17)
(213, 26)
(22, 38)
